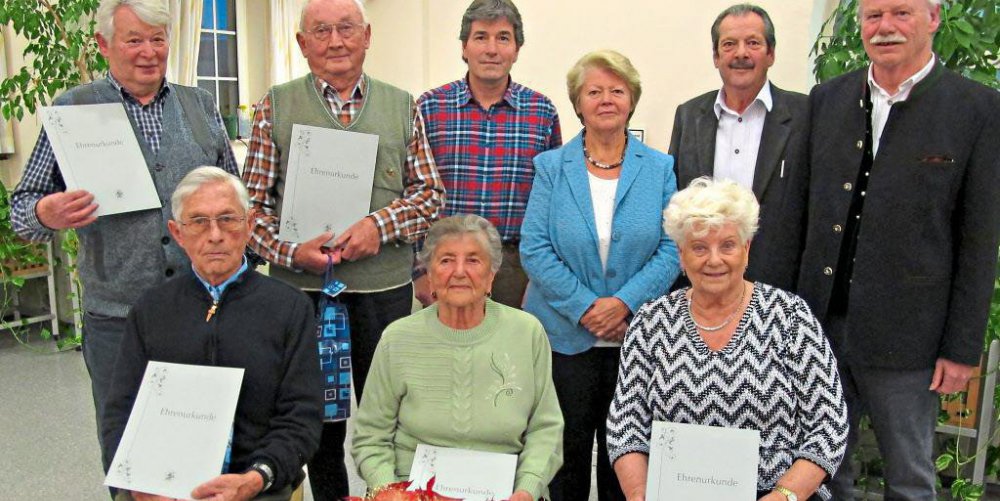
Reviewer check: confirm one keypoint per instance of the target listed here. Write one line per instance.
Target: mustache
(742, 64)
(893, 38)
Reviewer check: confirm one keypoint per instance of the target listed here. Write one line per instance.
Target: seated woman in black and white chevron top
(727, 352)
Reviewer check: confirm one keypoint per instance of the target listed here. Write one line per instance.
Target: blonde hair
(706, 205)
(605, 59)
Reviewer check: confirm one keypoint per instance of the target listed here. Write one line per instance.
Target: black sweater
(261, 325)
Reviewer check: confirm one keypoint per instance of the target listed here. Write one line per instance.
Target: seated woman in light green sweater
(465, 372)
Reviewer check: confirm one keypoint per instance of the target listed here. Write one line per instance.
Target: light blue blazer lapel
(575, 173)
(631, 167)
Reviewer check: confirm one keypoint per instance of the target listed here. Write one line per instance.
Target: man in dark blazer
(753, 133)
(901, 243)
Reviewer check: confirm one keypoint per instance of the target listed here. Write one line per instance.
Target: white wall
(415, 46)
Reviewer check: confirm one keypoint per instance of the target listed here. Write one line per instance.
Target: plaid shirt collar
(330, 92)
(510, 96)
(160, 94)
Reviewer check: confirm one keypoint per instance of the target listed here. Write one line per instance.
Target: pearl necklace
(602, 165)
(714, 328)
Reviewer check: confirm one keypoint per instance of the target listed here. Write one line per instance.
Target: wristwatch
(787, 492)
(265, 472)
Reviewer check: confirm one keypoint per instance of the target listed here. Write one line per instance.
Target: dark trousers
(903, 414)
(585, 385)
(369, 314)
(101, 336)
(511, 281)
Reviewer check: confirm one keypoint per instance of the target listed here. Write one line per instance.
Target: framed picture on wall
(639, 134)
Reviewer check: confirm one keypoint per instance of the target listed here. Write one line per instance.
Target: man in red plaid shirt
(484, 131)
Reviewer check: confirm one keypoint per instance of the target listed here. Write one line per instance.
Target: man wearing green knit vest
(374, 255)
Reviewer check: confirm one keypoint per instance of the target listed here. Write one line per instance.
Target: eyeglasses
(322, 32)
(226, 222)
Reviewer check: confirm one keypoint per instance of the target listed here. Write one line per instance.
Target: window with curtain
(217, 59)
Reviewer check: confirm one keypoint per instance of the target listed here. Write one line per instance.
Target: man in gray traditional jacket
(178, 129)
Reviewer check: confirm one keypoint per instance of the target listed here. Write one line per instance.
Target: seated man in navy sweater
(222, 313)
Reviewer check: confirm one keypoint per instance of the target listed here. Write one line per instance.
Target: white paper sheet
(178, 431)
(693, 462)
(97, 151)
(464, 474)
(328, 184)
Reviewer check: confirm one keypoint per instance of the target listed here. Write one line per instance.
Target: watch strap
(265, 472)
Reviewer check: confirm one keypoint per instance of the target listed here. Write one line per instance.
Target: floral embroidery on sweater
(506, 373)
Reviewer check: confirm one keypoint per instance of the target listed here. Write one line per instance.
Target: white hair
(930, 3)
(201, 176)
(707, 205)
(457, 226)
(360, 4)
(152, 12)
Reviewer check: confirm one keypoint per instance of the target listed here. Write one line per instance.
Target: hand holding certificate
(328, 184)
(694, 462)
(464, 474)
(97, 151)
(178, 431)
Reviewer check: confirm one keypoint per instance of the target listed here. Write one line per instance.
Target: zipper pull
(211, 311)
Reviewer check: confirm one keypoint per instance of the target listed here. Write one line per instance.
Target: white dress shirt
(882, 101)
(737, 139)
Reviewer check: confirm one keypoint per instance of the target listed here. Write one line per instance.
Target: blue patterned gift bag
(334, 337)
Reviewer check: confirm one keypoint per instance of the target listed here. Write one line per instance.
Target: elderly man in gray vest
(374, 255)
(179, 129)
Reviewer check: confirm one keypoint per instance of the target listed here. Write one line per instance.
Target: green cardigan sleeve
(375, 423)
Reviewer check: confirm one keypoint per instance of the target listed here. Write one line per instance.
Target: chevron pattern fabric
(777, 375)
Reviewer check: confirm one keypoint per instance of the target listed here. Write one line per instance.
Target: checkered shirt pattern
(405, 219)
(485, 156)
(41, 175)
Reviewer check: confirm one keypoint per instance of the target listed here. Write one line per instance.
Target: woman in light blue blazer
(593, 245)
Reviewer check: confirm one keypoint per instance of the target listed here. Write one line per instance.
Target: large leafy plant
(60, 51)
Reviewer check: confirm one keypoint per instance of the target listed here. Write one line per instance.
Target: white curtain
(185, 38)
(6, 135)
(286, 58)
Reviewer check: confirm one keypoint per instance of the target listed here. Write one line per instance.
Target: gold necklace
(715, 328)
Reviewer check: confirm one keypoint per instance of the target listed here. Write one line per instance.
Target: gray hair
(930, 4)
(360, 4)
(489, 10)
(201, 176)
(707, 205)
(739, 10)
(606, 59)
(152, 12)
(458, 226)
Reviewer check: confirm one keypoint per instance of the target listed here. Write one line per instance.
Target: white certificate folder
(328, 185)
(694, 462)
(97, 151)
(464, 474)
(177, 434)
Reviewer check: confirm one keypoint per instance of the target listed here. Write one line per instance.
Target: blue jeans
(101, 336)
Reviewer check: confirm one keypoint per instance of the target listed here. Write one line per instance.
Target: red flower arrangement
(398, 492)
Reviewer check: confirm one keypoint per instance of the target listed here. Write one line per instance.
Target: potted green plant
(60, 53)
